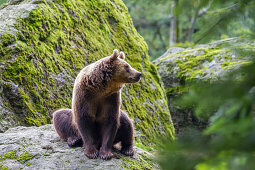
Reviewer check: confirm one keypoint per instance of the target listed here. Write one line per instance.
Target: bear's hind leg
(74, 141)
(62, 121)
(125, 134)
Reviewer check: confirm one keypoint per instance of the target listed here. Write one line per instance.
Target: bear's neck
(111, 88)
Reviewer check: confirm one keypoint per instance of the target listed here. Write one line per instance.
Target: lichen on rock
(53, 42)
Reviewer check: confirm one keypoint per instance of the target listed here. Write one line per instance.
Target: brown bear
(96, 120)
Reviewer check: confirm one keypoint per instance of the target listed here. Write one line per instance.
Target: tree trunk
(192, 24)
(173, 35)
(198, 13)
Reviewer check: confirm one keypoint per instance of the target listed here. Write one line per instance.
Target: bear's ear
(122, 55)
(114, 54)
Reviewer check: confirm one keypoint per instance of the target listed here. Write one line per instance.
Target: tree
(166, 23)
(153, 19)
(174, 25)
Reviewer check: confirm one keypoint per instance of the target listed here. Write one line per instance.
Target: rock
(7, 117)
(11, 13)
(43, 46)
(41, 148)
(207, 62)
(171, 50)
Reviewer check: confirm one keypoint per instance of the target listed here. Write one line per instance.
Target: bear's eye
(127, 68)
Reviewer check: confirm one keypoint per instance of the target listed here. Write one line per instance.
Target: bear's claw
(127, 151)
(105, 155)
(92, 154)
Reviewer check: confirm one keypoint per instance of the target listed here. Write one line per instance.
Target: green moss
(24, 157)
(10, 155)
(60, 38)
(144, 162)
(139, 144)
(28, 164)
(178, 90)
(190, 61)
(190, 65)
(3, 167)
(229, 65)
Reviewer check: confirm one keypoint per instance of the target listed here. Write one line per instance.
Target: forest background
(228, 103)
(185, 23)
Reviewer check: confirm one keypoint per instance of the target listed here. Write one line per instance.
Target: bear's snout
(135, 77)
(138, 76)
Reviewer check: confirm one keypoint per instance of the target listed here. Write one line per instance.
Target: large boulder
(209, 62)
(41, 148)
(43, 46)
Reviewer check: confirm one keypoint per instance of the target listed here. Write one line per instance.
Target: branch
(226, 8)
(232, 8)
(209, 30)
(205, 9)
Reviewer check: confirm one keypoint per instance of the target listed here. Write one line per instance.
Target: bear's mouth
(136, 78)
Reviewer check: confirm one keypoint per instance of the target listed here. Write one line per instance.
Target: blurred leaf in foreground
(229, 140)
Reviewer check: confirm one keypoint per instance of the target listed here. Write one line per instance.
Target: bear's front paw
(91, 153)
(105, 154)
(129, 151)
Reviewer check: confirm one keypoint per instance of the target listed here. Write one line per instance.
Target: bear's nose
(139, 74)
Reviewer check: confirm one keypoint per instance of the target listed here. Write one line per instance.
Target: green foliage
(2, 2)
(230, 18)
(228, 142)
(197, 21)
(152, 22)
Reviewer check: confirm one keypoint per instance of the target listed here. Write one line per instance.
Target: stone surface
(48, 42)
(11, 13)
(208, 62)
(7, 117)
(41, 148)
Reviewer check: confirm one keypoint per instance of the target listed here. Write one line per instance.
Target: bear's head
(122, 71)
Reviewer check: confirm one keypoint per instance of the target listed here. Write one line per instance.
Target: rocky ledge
(40, 147)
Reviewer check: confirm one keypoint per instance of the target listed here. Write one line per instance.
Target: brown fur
(96, 118)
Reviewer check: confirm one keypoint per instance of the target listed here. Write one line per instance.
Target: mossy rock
(45, 50)
(179, 67)
(45, 150)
